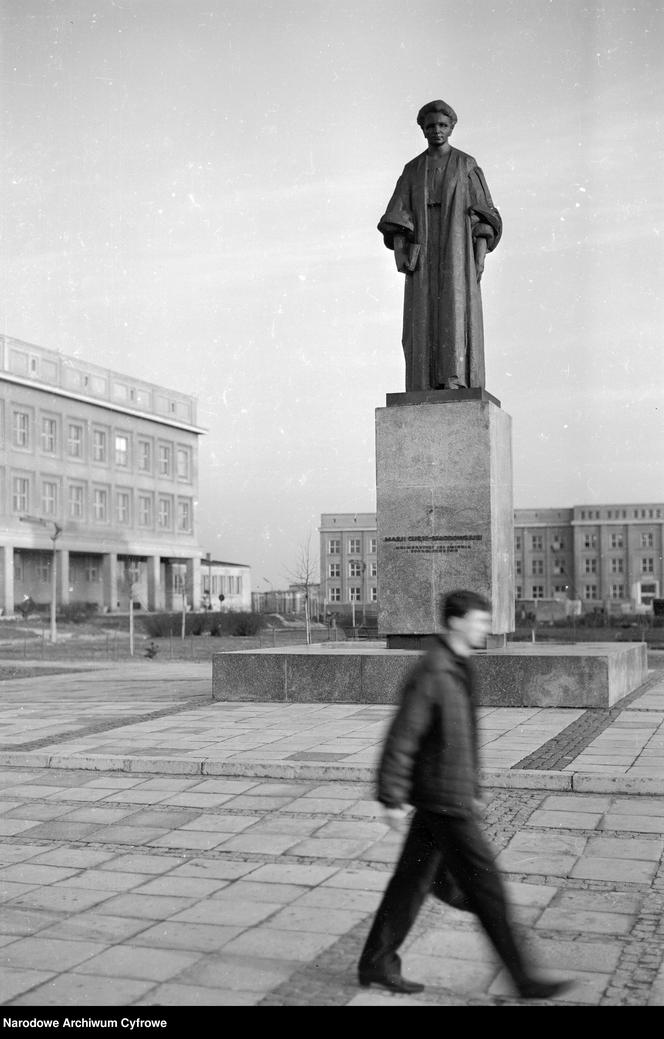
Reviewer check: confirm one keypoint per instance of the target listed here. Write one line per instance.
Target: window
(49, 431)
(517, 565)
(92, 573)
(122, 451)
(44, 569)
(335, 594)
(617, 591)
(18, 567)
(647, 541)
(538, 591)
(99, 448)
(558, 544)
(164, 460)
(184, 515)
(373, 544)
(518, 591)
(590, 566)
(617, 566)
(49, 498)
(616, 541)
(559, 566)
(20, 494)
(144, 510)
(560, 589)
(648, 566)
(334, 547)
(355, 568)
(75, 502)
(354, 546)
(122, 507)
(517, 542)
(537, 542)
(373, 569)
(145, 456)
(164, 514)
(373, 594)
(100, 504)
(537, 566)
(21, 429)
(334, 570)
(590, 540)
(75, 440)
(590, 591)
(182, 462)
(355, 594)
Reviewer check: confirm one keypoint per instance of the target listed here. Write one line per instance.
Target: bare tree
(304, 576)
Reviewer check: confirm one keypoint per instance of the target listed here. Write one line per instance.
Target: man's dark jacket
(430, 756)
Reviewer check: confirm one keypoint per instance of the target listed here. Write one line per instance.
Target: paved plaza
(160, 849)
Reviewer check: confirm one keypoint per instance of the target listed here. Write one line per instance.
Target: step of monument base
(521, 675)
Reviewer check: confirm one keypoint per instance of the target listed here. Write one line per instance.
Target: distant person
(430, 760)
(151, 651)
(26, 607)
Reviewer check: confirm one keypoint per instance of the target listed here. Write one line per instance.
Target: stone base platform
(521, 675)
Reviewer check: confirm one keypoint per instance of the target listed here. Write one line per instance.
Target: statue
(441, 223)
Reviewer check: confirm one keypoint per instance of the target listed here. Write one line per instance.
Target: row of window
(83, 503)
(616, 540)
(616, 566)
(222, 584)
(354, 594)
(355, 569)
(616, 591)
(106, 446)
(622, 514)
(354, 546)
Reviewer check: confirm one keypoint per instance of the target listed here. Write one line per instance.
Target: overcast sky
(192, 194)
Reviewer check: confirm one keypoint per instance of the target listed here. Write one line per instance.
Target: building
(288, 601)
(230, 580)
(606, 556)
(348, 561)
(98, 471)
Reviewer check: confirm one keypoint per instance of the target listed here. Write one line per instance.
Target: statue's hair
(436, 106)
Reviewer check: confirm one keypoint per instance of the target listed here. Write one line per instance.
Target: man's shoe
(393, 982)
(534, 989)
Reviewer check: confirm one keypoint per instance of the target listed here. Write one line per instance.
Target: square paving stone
(126, 834)
(584, 921)
(628, 903)
(129, 961)
(285, 873)
(10, 889)
(279, 945)
(15, 981)
(77, 990)
(619, 870)
(39, 812)
(633, 823)
(332, 848)
(339, 898)
(18, 921)
(92, 926)
(28, 873)
(195, 937)
(106, 880)
(321, 805)
(191, 840)
(170, 819)
(320, 921)
(144, 863)
(182, 887)
(152, 907)
(522, 894)
(59, 830)
(227, 912)
(599, 956)
(457, 975)
(588, 987)
(650, 850)
(263, 843)
(566, 820)
(576, 803)
(220, 869)
(458, 943)
(173, 994)
(221, 823)
(61, 899)
(250, 891)
(100, 816)
(48, 954)
(249, 974)
(10, 827)
(76, 858)
(359, 879)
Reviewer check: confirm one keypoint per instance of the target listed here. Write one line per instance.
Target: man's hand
(395, 817)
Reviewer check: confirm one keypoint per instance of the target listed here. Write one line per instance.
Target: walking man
(430, 760)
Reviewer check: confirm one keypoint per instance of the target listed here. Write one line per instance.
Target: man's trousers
(435, 846)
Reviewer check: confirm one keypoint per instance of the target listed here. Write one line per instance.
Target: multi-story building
(616, 554)
(348, 560)
(99, 472)
(225, 586)
(603, 555)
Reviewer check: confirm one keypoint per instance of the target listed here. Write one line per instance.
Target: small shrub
(161, 625)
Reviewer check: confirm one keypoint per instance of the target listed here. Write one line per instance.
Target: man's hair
(459, 603)
(436, 106)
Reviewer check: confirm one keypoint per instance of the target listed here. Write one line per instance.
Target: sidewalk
(162, 849)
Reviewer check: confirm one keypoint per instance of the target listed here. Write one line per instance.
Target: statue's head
(436, 106)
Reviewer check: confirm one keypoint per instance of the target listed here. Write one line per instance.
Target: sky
(190, 195)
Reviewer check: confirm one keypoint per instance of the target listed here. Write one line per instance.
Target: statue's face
(437, 128)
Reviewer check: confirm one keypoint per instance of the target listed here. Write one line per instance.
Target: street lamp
(57, 531)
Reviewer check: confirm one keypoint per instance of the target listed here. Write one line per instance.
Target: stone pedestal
(445, 513)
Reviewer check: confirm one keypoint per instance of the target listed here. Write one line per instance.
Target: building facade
(99, 474)
(606, 556)
(225, 586)
(348, 560)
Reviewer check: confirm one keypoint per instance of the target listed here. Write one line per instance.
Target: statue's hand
(401, 254)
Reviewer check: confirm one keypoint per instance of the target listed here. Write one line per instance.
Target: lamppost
(57, 531)
(208, 559)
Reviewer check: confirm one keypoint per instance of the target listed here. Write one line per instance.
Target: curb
(506, 779)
